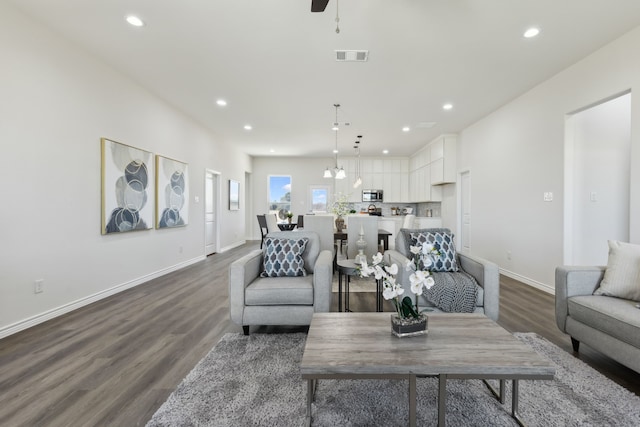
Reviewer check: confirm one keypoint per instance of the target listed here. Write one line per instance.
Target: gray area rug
(254, 381)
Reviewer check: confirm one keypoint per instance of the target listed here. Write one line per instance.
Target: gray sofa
(485, 272)
(255, 300)
(608, 324)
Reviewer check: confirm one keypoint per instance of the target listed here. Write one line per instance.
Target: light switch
(548, 196)
(196, 199)
(593, 196)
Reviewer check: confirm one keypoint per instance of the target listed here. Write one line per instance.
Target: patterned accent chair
(299, 284)
(485, 273)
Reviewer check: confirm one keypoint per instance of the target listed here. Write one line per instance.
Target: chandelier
(338, 173)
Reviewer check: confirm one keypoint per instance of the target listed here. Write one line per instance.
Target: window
(279, 195)
(319, 196)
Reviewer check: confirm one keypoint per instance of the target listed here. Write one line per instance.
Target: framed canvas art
(126, 188)
(172, 193)
(234, 195)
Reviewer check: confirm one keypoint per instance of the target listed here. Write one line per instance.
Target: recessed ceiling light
(135, 21)
(406, 129)
(385, 151)
(447, 106)
(221, 102)
(248, 127)
(336, 128)
(335, 151)
(272, 150)
(531, 32)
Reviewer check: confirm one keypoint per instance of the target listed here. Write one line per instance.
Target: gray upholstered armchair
(484, 272)
(284, 300)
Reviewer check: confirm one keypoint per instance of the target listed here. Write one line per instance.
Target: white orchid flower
(392, 269)
(379, 272)
(429, 282)
(398, 288)
(377, 258)
(427, 261)
(416, 288)
(427, 248)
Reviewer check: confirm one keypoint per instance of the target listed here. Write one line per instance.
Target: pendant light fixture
(339, 173)
(358, 182)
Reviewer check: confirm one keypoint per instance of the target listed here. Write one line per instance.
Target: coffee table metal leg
(442, 397)
(498, 395)
(413, 397)
(311, 386)
(515, 395)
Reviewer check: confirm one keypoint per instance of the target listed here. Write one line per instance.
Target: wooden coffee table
(471, 346)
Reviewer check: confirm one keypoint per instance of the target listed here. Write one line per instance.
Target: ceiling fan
(318, 5)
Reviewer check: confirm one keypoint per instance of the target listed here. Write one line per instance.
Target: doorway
(597, 179)
(211, 211)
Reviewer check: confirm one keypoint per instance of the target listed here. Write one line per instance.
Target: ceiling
(274, 62)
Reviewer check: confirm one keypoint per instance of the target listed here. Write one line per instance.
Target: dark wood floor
(114, 362)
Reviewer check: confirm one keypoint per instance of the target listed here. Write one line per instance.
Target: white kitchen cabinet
(443, 160)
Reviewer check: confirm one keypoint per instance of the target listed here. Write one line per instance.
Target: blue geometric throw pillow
(283, 257)
(443, 243)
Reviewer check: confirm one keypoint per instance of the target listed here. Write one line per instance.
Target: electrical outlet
(509, 255)
(38, 286)
(548, 196)
(179, 249)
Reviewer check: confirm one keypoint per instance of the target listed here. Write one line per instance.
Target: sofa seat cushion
(280, 291)
(613, 316)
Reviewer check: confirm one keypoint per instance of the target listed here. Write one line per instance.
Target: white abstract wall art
(126, 188)
(172, 193)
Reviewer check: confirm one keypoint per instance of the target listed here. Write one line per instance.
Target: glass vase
(409, 327)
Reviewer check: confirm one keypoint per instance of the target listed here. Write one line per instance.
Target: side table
(348, 268)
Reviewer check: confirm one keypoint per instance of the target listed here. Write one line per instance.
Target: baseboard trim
(74, 305)
(232, 246)
(538, 285)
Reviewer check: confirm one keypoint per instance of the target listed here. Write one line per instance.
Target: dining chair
(262, 222)
(272, 223)
(300, 223)
(408, 221)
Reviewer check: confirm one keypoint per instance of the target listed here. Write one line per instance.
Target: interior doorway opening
(597, 179)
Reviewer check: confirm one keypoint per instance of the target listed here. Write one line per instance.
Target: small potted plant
(407, 320)
(289, 215)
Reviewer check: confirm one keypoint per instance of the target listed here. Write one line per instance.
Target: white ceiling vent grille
(352, 55)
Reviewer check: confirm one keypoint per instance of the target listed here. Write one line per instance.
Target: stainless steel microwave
(372, 195)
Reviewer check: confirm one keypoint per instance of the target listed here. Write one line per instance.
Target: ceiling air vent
(352, 55)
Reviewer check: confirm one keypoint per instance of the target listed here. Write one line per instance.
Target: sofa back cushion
(283, 257)
(311, 250)
(622, 276)
(442, 240)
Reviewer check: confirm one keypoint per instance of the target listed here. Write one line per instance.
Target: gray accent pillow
(283, 257)
(622, 276)
(442, 241)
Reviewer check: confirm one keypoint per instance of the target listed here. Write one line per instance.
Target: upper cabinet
(430, 167)
(443, 160)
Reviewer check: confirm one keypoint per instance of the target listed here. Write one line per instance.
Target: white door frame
(216, 208)
(460, 235)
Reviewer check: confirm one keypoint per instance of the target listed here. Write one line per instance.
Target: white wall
(517, 153)
(56, 102)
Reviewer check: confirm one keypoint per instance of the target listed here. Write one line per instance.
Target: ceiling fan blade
(318, 5)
